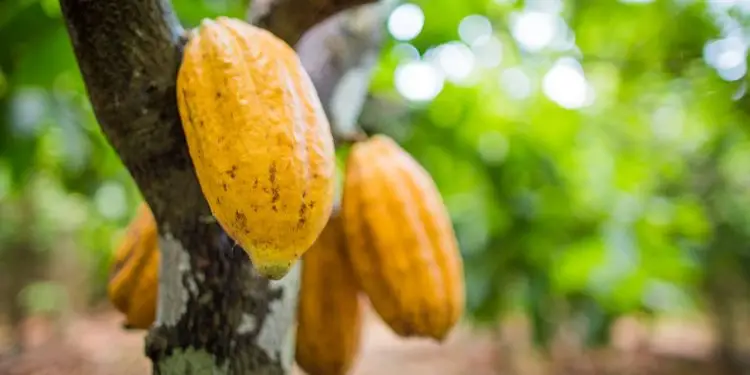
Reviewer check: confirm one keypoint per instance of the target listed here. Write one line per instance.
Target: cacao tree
(216, 314)
(542, 213)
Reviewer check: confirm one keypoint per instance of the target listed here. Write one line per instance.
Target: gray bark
(339, 55)
(215, 314)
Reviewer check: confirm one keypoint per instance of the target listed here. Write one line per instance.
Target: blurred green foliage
(52, 151)
(631, 200)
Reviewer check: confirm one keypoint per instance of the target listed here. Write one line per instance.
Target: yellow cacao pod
(329, 317)
(400, 240)
(134, 277)
(259, 140)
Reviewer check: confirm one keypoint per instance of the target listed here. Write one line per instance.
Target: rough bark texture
(215, 314)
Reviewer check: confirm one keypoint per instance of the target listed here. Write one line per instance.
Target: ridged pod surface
(400, 240)
(134, 279)
(329, 313)
(259, 140)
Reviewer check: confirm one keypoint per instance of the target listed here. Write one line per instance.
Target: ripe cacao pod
(329, 317)
(400, 240)
(134, 279)
(259, 140)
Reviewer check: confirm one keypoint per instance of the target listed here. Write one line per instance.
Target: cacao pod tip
(351, 137)
(383, 138)
(225, 19)
(207, 22)
(441, 337)
(274, 271)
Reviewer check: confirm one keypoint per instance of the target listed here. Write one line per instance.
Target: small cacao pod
(329, 317)
(134, 278)
(400, 240)
(259, 140)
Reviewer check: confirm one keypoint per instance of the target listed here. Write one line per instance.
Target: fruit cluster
(393, 242)
(263, 154)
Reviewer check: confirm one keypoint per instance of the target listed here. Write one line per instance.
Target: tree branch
(339, 54)
(129, 54)
(290, 19)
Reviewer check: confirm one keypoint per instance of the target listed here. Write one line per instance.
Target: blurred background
(594, 156)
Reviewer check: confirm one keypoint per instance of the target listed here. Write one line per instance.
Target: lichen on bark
(276, 336)
(173, 294)
(190, 361)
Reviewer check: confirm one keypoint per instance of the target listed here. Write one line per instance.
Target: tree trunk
(215, 314)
